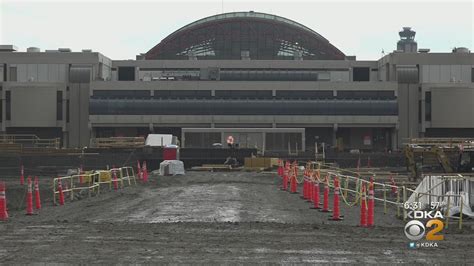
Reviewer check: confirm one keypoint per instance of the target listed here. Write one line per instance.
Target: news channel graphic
(425, 227)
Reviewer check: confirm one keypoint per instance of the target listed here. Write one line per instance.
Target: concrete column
(182, 140)
(65, 139)
(334, 135)
(79, 128)
(394, 139)
(303, 144)
(79, 115)
(4, 113)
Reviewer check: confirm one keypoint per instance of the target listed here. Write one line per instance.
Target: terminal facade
(268, 81)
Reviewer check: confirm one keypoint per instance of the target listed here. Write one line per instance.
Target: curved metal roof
(250, 14)
(286, 36)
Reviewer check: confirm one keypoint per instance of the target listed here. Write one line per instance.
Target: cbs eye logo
(415, 230)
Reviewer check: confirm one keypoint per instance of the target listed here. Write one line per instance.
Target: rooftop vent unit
(8, 48)
(87, 50)
(33, 50)
(461, 50)
(423, 50)
(64, 50)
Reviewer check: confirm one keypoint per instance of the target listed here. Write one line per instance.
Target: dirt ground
(202, 218)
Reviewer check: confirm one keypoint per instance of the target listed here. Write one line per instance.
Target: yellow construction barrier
(91, 181)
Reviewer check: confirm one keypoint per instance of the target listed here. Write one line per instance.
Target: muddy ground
(202, 217)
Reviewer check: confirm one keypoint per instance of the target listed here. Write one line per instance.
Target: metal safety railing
(74, 183)
(387, 193)
(92, 181)
(29, 140)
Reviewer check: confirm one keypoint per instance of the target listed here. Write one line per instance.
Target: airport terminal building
(268, 81)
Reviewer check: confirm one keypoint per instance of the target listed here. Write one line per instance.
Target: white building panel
(32, 72)
(114, 75)
(338, 76)
(434, 76)
(466, 73)
(425, 73)
(53, 72)
(21, 73)
(324, 76)
(62, 72)
(456, 73)
(43, 73)
(445, 73)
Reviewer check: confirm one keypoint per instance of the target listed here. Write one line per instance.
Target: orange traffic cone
(145, 172)
(81, 177)
(115, 180)
(326, 197)
(139, 171)
(295, 168)
(293, 186)
(394, 186)
(336, 216)
(280, 168)
(303, 188)
(22, 175)
(303, 191)
(316, 196)
(371, 204)
(29, 199)
(363, 209)
(37, 194)
(61, 192)
(3, 203)
(310, 190)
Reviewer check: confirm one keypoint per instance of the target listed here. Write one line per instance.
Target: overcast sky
(122, 29)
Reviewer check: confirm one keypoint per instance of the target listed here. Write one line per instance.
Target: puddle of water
(201, 203)
(195, 203)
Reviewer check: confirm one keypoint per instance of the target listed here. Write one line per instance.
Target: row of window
(359, 74)
(243, 94)
(241, 107)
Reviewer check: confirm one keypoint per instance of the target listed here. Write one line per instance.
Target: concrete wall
(445, 73)
(33, 107)
(452, 107)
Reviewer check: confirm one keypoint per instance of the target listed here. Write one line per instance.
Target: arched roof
(231, 35)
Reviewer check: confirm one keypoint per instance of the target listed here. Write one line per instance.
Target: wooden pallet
(119, 142)
(215, 167)
(10, 148)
